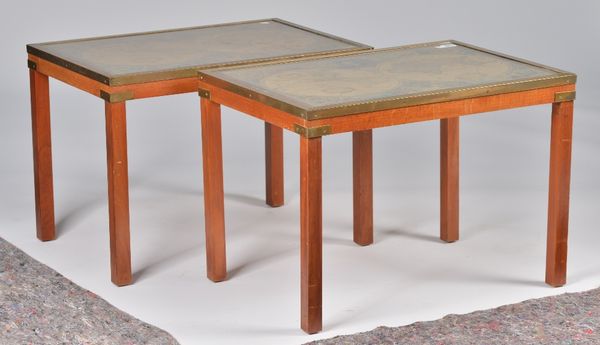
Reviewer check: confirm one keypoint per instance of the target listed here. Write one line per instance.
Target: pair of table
(323, 86)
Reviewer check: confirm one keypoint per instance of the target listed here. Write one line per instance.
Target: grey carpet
(572, 318)
(40, 306)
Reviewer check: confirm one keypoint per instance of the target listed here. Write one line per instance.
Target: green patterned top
(151, 56)
(385, 78)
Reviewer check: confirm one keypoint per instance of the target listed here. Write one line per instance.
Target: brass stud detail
(204, 93)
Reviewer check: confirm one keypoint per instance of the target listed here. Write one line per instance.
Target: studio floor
(407, 275)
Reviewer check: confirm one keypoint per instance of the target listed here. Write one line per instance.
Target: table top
(180, 53)
(385, 79)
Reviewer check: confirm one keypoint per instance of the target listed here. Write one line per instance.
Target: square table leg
(118, 193)
(311, 236)
(42, 155)
(362, 166)
(214, 216)
(558, 196)
(449, 170)
(274, 165)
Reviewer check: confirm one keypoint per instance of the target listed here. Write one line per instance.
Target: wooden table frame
(115, 98)
(361, 125)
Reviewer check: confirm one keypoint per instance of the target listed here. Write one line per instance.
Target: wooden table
(134, 66)
(385, 87)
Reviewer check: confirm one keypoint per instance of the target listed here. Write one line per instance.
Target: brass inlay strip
(31, 64)
(440, 96)
(564, 96)
(116, 97)
(312, 132)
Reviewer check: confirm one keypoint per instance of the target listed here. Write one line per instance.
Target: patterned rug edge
(40, 306)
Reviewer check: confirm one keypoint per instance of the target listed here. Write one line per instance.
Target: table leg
(449, 168)
(274, 164)
(558, 196)
(311, 234)
(42, 155)
(362, 163)
(118, 193)
(214, 216)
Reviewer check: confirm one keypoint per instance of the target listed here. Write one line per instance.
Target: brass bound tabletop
(385, 79)
(180, 53)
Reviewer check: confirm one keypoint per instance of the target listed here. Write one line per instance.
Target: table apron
(383, 118)
(443, 110)
(114, 93)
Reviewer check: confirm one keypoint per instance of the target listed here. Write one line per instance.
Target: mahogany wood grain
(42, 155)
(311, 236)
(274, 165)
(214, 216)
(449, 177)
(362, 166)
(442, 110)
(558, 196)
(118, 193)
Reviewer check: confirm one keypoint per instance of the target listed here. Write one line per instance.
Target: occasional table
(384, 87)
(150, 64)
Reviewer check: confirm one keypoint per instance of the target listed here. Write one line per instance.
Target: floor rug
(572, 318)
(40, 306)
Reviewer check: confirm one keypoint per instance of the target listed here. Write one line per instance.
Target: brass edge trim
(32, 64)
(143, 77)
(439, 96)
(203, 93)
(564, 96)
(312, 132)
(116, 97)
(69, 65)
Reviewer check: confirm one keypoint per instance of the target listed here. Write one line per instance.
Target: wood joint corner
(312, 132)
(32, 65)
(116, 97)
(564, 96)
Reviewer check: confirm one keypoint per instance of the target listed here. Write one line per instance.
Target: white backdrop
(504, 155)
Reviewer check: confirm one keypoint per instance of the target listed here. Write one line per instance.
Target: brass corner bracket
(204, 93)
(312, 132)
(564, 96)
(116, 97)
(32, 65)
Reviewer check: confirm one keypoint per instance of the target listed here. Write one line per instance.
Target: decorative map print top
(367, 77)
(236, 43)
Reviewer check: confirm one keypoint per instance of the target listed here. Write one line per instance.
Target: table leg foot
(311, 234)
(42, 155)
(449, 172)
(362, 164)
(118, 193)
(214, 216)
(274, 165)
(558, 196)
